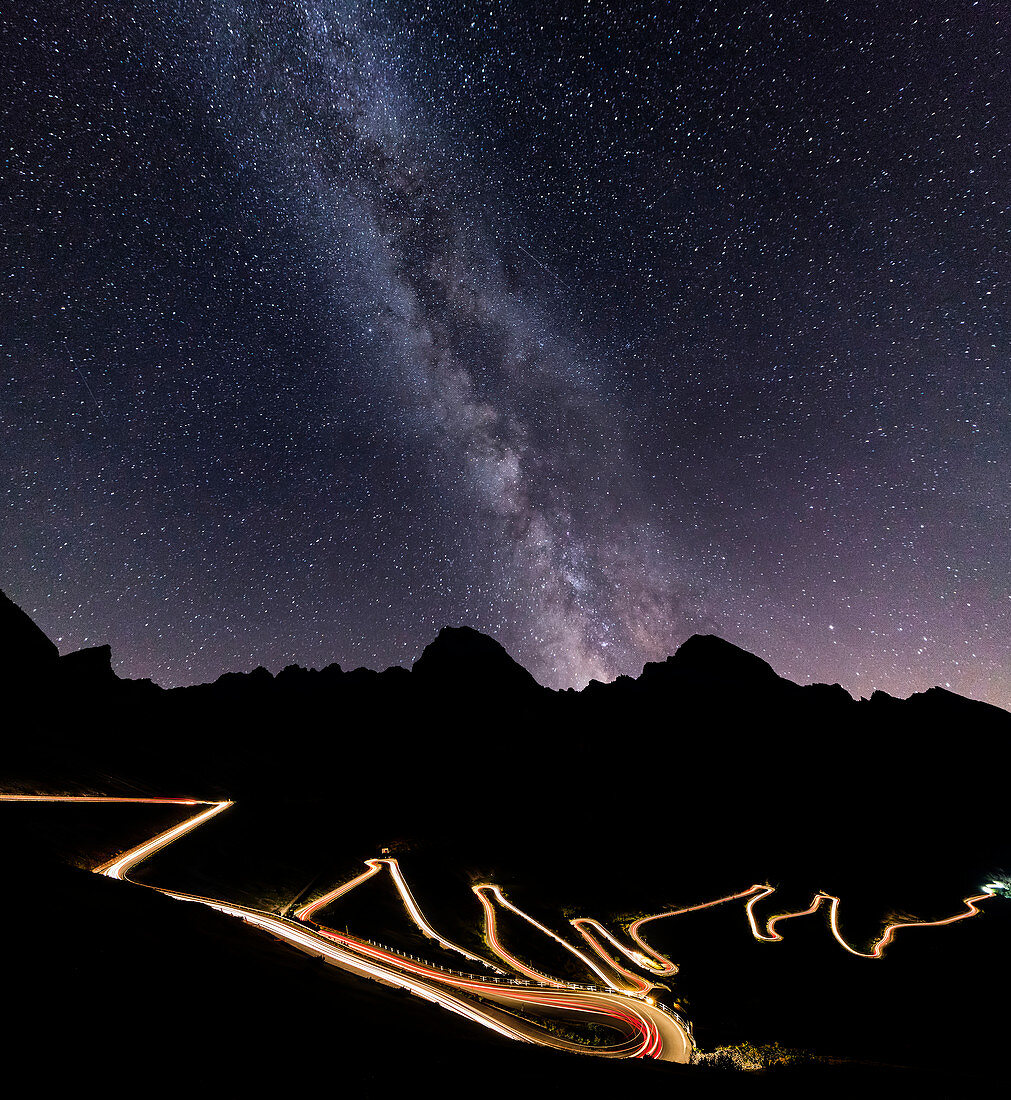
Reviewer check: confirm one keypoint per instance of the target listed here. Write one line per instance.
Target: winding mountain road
(523, 1007)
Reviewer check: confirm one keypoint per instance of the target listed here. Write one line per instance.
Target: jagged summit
(462, 655)
(941, 701)
(94, 663)
(27, 651)
(23, 645)
(708, 654)
(706, 661)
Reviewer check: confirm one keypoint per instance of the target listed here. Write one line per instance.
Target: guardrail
(449, 970)
(475, 977)
(499, 980)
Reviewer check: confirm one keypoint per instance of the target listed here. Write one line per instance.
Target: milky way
(332, 323)
(517, 435)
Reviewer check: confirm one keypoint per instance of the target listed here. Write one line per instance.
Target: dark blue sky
(591, 326)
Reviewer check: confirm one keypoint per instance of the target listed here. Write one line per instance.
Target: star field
(589, 325)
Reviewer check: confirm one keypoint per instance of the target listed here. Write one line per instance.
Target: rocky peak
(469, 659)
(24, 648)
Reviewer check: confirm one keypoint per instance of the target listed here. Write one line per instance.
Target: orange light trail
(503, 900)
(878, 949)
(759, 892)
(119, 867)
(665, 967)
(637, 984)
(406, 896)
(650, 1030)
(306, 911)
(491, 934)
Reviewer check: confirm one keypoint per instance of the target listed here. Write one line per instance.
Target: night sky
(590, 325)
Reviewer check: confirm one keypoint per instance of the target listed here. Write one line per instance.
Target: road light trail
(878, 948)
(305, 912)
(119, 867)
(157, 801)
(419, 918)
(760, 892)
(665, 967)
(583, 926)
(396, 974)
(649, 1030)
(644, 1018)
(316, 943)
(504, 901)
(491, 935)
(406, 896)
(769, 936)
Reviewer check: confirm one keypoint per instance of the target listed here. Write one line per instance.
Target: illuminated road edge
(620, 999)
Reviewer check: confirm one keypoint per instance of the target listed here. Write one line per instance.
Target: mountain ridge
(457, 655)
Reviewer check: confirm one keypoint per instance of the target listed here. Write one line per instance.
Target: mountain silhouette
(24, 647)
(708, 659)
(463, 655)
(711, 705)
(463, 661)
